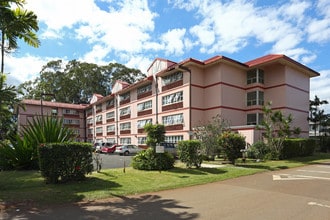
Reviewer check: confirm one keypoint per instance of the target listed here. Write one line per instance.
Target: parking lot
(114, 161)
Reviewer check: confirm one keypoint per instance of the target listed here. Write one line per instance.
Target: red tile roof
(281, 58)
(54, 104)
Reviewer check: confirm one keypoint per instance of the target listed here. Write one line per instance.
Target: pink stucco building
(183, 95)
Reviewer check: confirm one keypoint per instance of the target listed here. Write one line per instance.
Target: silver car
(127, 149)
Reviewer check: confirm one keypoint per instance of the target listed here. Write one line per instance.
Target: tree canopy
(16, 23)
(76, 82)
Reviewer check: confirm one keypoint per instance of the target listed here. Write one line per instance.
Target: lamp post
(41, 101)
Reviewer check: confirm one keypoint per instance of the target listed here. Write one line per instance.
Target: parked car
(127, 149)
(170, 148)
(97, 147)
(108, 148)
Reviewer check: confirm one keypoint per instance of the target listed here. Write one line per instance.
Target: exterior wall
(208, 89)
(72, 115)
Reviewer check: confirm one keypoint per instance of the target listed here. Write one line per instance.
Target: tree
(16, 24)
(316, 115)
(277, 129)
(8, 102)
(208, 134)
(232, 144)
(155, 134)
(76, 82)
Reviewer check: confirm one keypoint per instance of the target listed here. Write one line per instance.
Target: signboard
(160, 149)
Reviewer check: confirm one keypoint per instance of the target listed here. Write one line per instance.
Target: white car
(127, 149)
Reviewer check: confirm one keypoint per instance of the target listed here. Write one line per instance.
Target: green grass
(23, 186)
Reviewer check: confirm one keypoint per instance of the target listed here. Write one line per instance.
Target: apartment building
(187, 94)
(73, 115)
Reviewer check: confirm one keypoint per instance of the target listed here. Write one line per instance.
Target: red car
(108, 148)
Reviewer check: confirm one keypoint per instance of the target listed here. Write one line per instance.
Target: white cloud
(320, 87)
(24, 68)
(174, 41)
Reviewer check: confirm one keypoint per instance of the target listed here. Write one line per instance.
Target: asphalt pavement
(301, 193)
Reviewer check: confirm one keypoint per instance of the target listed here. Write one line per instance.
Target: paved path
(300, 193)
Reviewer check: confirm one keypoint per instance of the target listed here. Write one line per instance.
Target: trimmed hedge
(297, 147)
(189, 152)
(62, 162)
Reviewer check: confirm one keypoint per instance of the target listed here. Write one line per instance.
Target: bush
(62, 162)
(297, 147)
(150, 160)
(189, 152)
(232, 144)
(258, 150)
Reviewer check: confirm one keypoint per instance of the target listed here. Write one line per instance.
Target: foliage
(316, 115)
(62, 162)
(232, 144)
(258, 150)
(21, 151)
(208, 134)
(76, 82)
(298, 147)
(277, 129)
(18, 186)
(16, 24)
(190, 153)
(150, 160)
(155, 134)
(8, 102)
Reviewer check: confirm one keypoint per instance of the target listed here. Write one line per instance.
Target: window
(110, 103)
(71, 121)
(254, 119)
(172, 98)
(144, 89)
(90, 131)
(173, 139)
(144, 106)
(255, 98)
(125, 126)
(142, 140)
(142, 123)
(70, 112)
(124, 96)
(110, 128)
(99, 130)
(255, 76)
(54, 112)
(111, 140)
(172, 78)
(125, 140)
(110, 115)
(89, 121)
(99, 107)
(173, 119)
(98, 118)
(89, 111)
(125, 111)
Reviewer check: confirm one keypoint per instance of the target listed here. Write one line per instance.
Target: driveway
(300, 193)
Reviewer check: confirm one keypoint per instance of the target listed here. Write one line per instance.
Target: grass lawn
(29, 186)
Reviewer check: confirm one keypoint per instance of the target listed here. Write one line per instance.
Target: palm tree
(16, 24)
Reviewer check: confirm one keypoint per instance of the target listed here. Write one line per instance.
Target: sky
(135, 32)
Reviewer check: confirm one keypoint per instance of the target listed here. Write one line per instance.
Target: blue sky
(136, 32)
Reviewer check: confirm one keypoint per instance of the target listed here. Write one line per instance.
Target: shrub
(21, 152)
(232, 144)
(17, 154)
(150, 160)
(297, 147)
(189, 152)
(258, 150)
(62, 162)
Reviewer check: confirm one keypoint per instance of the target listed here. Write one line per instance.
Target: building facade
(187, 94)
